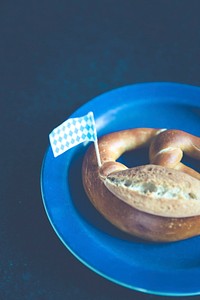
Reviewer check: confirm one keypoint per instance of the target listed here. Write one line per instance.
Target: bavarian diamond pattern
(73, 132)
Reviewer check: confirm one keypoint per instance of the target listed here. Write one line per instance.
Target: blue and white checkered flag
(73, 132)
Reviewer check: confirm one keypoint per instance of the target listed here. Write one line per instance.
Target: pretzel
(168, 148)
(151, 202)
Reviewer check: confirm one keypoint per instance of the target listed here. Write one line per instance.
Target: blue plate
(157, 268)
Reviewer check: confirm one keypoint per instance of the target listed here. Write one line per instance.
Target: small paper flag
(73, 132)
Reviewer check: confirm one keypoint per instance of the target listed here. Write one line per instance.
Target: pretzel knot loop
(168, 147)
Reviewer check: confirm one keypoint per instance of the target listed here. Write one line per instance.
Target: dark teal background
(54, 57)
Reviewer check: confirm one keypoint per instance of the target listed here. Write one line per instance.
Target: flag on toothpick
(73, 132)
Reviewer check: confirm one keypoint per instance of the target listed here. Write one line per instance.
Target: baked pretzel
(152, 202)
(168, 148)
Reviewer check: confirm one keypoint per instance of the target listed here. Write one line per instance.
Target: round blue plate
(157, 268)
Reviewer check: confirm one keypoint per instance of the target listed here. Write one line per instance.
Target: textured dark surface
(55, 56)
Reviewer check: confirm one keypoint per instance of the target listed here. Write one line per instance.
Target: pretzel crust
(121, 213)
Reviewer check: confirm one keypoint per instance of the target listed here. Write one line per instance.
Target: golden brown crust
(113, 145)
(129, 219)
(168, 147)
(122, 213)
